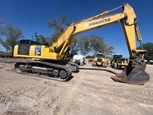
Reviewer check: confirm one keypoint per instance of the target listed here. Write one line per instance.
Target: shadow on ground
(99, 69)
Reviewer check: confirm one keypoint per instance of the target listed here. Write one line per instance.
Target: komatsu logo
(99, 22)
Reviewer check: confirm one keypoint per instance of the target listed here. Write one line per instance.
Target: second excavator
(52, 63)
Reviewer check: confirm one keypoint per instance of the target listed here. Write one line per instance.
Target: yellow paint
(58, 49)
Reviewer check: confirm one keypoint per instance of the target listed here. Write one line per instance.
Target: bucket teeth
(135, 75)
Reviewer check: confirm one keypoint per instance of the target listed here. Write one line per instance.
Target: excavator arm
(127, 18)
(135, 71)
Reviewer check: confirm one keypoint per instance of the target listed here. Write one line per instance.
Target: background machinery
(53, 65)
(119, 62)
(79, 59)
(99, 60)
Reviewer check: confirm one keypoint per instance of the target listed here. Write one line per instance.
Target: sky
(32, 15)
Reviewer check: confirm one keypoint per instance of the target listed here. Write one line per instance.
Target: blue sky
(32, 15)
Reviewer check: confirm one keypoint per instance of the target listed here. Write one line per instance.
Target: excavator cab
(24, 46)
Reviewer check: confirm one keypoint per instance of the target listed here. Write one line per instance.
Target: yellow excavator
(52, 62)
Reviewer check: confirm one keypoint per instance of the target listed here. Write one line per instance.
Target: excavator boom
(58, 50)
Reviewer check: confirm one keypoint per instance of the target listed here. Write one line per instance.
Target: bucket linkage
(134, 72)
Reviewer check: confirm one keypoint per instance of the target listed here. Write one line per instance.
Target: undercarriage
(55, 71)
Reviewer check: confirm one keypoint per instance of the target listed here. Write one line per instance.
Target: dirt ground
(89, 92)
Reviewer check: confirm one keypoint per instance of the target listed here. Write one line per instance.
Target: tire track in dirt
(55, 101)
(108, 82)
(53, 97)
(21, 92)
(16, 93)
(12, 94)
(125, 92)
(35, 92)
(42, 93)
(64, 104)
(46, 100)
(45, 91)
(107, 96)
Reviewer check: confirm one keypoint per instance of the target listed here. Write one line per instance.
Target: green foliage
(97, 43)
(108, 49)
(84, 45)
(87, 44)
(1, 51)
(149, 47)
(49, 41)
(42, 39)
(12, 34)
(58, 26)
(90, 56)
(45, 40)
(73, 47)
(5, 54)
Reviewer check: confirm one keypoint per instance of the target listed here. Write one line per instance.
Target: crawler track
(44, 70)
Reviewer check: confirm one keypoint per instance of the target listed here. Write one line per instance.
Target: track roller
(44, 70)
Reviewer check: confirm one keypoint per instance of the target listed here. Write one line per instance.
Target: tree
(97, 43)
(12, 35)
(44, 40)
(73, 47)
(149, 47)
(58, 26)
(108, 49)
(84, 45)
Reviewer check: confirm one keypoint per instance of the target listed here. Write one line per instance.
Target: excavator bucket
(135, 75)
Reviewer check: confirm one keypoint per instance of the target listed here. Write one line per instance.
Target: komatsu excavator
(53, 65)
